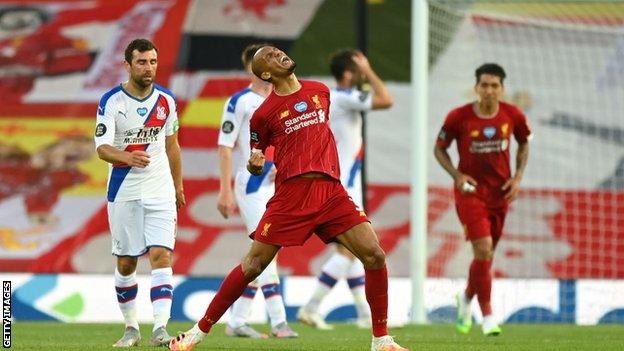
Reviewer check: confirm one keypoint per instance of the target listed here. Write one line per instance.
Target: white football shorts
(355, 192)
(137, 225)
(253, 205)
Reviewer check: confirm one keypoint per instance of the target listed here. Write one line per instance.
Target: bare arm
(381, 96)
(255, 165)
(522, 158)
(135, 158)
(512, 185)
(225, 201)
(444, 160)
(172, 148)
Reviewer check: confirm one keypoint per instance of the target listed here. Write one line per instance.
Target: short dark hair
(141, 45)
(249, 51)
(341, 61)
(490, 68)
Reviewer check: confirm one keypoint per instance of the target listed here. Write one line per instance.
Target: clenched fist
(256, 163)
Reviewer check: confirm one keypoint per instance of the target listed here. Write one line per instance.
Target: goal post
(418, 181)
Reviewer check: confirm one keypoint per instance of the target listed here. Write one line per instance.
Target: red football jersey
(483, 144)
(297, 125)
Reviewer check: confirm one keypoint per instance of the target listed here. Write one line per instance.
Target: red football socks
(480, 283)
(376, 288)
(231, 289)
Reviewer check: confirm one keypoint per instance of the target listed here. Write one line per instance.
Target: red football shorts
(302, 206)
(478, 219)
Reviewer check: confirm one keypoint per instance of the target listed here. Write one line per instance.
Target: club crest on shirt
(317, 102)
(265, 229)
(301, 106)
(160, 112)
(142, 111)
(474, 133)
(489, 132)
(284, 114)
(505, 130)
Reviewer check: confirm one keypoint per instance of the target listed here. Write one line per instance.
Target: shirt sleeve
(231, 121)
(325, 94)
(359, 100)
(172, 125)
(522, 132)
(105, 125)
(449, 130)
(259, 133)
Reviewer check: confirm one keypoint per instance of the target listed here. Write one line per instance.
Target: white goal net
(565, 69)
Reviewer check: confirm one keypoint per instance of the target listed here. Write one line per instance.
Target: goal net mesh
(565, 69)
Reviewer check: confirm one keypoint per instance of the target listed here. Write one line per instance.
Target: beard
(142, 82)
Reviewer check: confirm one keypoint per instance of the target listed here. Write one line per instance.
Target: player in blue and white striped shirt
(136, 132)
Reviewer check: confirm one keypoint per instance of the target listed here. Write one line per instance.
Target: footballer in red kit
(309, 197)
(484, 185)
(297, 125)
(483, 147)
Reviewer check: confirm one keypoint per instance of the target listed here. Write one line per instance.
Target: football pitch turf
(533, 337)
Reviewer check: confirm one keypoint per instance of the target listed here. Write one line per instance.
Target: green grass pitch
(91, 337)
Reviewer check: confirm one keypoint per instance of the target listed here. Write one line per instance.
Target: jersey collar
(134, 98)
